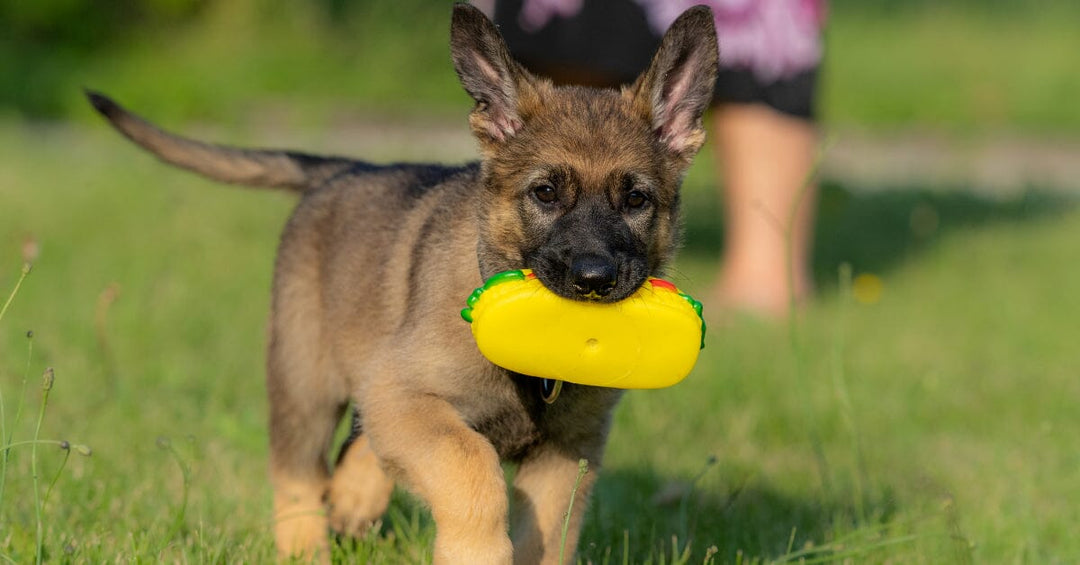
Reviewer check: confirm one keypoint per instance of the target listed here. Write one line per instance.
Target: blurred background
(967, 95)
(965, 66)
(960, 92)
(923, 409)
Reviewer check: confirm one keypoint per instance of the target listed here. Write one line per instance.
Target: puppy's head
(582, 185)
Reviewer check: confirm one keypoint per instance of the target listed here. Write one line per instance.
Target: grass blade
(46, 386)
(583, 468)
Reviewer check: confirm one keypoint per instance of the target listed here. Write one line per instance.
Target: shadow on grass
(875, 231)
(754, 519)
(626, 517)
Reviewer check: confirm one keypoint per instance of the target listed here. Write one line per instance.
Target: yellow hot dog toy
(649, 340)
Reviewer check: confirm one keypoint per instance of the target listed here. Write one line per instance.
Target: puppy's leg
(300, 434)
(306, 403)
(359, 490)
(424, 441)
(542, 489)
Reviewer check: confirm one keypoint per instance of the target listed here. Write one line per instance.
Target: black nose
(592, 276)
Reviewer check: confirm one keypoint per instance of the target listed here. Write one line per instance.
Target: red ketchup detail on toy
(660, 283)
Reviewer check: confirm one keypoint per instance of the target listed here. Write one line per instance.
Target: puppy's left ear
(488, 73)
(678, 85)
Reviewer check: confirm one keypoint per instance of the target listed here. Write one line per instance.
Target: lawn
(934, 422)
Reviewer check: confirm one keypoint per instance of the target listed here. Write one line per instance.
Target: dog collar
(550, 389)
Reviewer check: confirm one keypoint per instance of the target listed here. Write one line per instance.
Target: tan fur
(359, 490)
(375, 264)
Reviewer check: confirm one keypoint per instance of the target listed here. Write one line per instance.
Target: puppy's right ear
(488, 73)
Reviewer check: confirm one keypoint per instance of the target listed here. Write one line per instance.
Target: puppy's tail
(254, 167)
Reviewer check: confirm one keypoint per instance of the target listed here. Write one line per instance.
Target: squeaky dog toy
(649, 340)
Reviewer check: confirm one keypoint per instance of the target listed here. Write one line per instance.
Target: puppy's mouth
(559, 279)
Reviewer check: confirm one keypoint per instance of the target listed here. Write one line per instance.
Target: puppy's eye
(545, 193)
(636, 199)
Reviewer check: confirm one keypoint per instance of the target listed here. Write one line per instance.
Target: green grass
(934, 426)
(960, 66)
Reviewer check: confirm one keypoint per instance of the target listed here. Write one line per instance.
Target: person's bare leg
(765, 158)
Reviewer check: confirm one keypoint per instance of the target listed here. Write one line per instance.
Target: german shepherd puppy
(581, 185)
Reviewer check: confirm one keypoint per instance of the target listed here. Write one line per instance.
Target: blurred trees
(85, 24)
(44, 43)
(40, 40)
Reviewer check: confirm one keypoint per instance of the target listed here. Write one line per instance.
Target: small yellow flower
(867, 288)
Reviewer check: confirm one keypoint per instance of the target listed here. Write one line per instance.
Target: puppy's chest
(510, 414)
(513, 433)
(517, 422)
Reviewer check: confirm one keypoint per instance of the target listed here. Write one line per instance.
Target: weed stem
(47, 384)
(18, 283)
(583, 468)
(4, 436)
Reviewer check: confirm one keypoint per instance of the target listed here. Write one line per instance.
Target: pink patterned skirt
(770, 50)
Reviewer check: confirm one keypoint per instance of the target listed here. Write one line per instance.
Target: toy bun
(649, 340)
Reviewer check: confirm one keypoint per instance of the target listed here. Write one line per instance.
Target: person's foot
(769, 202)
(757, 293)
